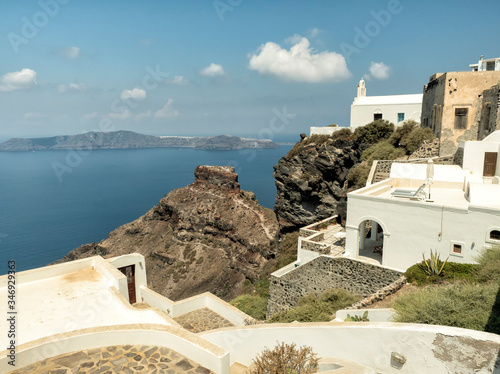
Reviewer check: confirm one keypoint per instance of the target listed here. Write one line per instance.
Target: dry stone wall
(324, 273)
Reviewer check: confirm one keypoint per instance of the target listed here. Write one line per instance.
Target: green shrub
(316, 309)
(465, 305)
(253, 305)
(400, 135)
(452, 272)
(286, 359)
(382, 151)
(374, 131)
(343, 134)
(488, 269)
(358, 175)
(416, 137)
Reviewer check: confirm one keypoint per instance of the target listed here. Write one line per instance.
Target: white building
(393, 108)
(456, 212)
(491, 64)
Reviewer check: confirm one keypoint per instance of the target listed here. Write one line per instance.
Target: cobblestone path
(127, 359)
(202, 320)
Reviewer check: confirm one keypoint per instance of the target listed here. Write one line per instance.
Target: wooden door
(490, 164)
(129, 271)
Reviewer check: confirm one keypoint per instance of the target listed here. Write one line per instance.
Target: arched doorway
(371, 240)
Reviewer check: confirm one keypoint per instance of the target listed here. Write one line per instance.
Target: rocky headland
(207, 236)
(311, 179)
(129, 140)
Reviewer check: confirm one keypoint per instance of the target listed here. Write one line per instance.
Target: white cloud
(71, 87)
(293, 39)
(300, 63)
(18, 80)
(379, 70)
(34, 115)
(177, 80)
(314, 32)
(70, 52)
(213, 70)
(167, 111)
(136, 94)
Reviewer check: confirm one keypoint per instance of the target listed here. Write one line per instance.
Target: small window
(401, 117)
(461, 118)
(377, 116)
(457, 248)
(495, 235)
(490, 65)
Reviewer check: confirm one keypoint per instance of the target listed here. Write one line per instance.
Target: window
(377, 116)
(461, 118)
(495, 235)
(401, 117)
(490, 65)
(457, 248)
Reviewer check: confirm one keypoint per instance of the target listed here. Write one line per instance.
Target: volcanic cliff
(207, 236)
(311, 179)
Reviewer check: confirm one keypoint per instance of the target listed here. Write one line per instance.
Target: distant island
(129, 139)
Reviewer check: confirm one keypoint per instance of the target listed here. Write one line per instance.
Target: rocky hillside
(207, 236)
(310, 179)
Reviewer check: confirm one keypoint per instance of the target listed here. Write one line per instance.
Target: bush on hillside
(374, 131)
(399, 136)
(452, 272)
(312, 308)
(382, 151)
(343, 134)
(357, 176)
(416, 137)
(465, 305)
(253, 305)
(285, 358)
(488, 269)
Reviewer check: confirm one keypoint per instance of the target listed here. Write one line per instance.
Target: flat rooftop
(70, 302)
(439, 196)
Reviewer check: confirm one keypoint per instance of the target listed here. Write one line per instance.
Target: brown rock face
(207, 236)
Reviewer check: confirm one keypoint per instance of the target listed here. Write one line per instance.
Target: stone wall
(324, 273)
(428, 149)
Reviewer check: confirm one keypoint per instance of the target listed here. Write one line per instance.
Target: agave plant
(434, 265)
(355, 318)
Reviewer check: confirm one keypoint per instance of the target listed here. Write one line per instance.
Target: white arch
(373, 218)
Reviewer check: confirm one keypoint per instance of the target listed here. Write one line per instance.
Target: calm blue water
(42, 217)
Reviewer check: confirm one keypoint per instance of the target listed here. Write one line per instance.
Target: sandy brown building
(460, 106)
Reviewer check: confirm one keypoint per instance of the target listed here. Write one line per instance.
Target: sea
(54, 201)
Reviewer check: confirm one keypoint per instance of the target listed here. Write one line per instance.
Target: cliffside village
(97, 315)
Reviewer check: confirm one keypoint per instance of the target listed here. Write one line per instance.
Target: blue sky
(203, 67)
